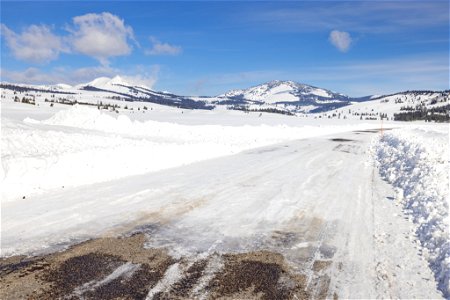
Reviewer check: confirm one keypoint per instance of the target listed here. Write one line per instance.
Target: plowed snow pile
(416, 162)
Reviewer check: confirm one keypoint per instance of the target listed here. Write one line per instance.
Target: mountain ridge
(287, 86)
(276, 96)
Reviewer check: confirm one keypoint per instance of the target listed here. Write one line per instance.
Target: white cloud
(146, 76)
(159, 48)
(101, 36)
(147, 80)
(57, 75)
(97, 35)
(29, 76)
(341, 40)
(36, 43)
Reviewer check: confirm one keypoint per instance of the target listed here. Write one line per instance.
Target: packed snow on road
(355, 211)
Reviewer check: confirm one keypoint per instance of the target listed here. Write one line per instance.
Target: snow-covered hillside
(120, 86)
(399, 103)
(282, 97)
(292, 95)
(278, 91)
(112, 91)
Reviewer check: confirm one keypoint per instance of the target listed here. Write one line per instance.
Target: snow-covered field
(79, 145)
(225, 182)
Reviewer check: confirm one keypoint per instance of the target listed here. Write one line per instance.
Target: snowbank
(82, 145)
(416, 162)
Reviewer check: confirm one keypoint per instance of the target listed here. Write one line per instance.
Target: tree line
(435, 114)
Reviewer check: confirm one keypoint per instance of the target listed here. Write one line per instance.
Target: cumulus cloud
(35, 44)
(340, 39)
(159, 48)
(101, 36)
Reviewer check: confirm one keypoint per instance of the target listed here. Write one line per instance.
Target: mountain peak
(100, 81)
(103, 82)
(291, 83)
(284, 91)
(277, 81)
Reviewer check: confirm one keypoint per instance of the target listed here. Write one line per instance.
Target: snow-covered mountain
(289, 94)
(286, 97)
(121, 86)
(116, 88)
(117, 83)
(278, 91)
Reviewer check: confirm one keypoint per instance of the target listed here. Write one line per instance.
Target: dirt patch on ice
(192, 276)
(372, 130)
(320, 265)
(81, 271)
(121, 268)
(341, 140)
(261, 274)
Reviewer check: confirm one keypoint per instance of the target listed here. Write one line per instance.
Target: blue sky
(206, 48)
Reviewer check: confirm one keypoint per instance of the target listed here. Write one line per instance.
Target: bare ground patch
(60, 274)
(263, 274)
(121, 268)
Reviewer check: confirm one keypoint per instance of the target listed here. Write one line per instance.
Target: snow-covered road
(316, 199)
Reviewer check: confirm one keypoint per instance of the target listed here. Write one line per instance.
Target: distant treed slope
(437, 114)
(283, 97)
(114, 91)
(403, 106)
(24, 89)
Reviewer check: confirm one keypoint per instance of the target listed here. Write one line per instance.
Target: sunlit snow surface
(200, 182)
(416, 162)
(81, 145)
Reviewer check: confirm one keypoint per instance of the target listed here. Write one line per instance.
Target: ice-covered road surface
(316, 199)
